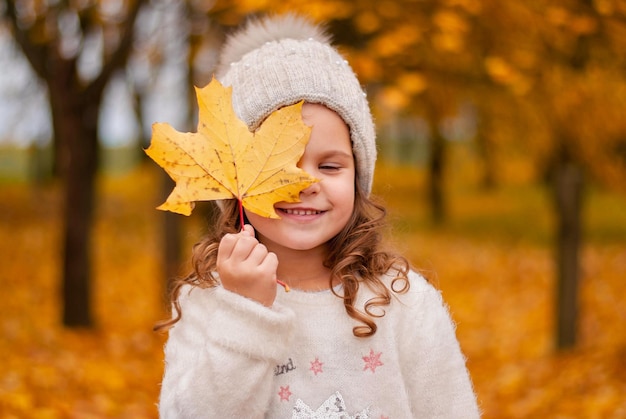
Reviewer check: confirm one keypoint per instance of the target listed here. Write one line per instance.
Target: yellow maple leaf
(224, 160)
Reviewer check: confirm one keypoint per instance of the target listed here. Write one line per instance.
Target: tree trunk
(436, 163)
(75, 121)
(171, 238)
(78, 125)
(75, 106)
(78, 218)
(567, 189)
(483, 143)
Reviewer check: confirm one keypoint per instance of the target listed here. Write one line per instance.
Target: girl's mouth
(297, 211)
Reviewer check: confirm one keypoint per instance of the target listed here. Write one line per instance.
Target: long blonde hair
(356, 257)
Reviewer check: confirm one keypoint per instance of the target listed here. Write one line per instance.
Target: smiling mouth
(300, 211)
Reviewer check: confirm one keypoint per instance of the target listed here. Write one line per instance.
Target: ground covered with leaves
(498, 280)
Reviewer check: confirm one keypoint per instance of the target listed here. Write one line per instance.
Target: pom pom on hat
(278, 61)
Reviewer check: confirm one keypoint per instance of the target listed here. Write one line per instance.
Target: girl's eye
(328, 167)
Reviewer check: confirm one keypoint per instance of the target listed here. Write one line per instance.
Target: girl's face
(326, 206)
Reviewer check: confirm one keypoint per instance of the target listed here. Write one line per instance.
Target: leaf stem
(282, 284)
(241, 219)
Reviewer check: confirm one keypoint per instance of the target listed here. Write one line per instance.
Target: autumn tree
(585, 81)
(75, 48)
(562, 64)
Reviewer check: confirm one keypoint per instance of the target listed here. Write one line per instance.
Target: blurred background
(502, 136)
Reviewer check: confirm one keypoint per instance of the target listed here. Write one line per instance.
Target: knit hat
(278, 61)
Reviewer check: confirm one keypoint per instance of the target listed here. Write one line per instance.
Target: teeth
(300, 212)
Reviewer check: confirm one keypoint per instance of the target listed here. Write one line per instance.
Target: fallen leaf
(224, 160)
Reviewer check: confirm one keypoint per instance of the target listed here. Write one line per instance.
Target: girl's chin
(278, 244)
(300, 246)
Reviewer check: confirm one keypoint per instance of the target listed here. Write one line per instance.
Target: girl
(360, 335)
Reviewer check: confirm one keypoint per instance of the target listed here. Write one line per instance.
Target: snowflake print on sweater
(372, 361)
(333, 408)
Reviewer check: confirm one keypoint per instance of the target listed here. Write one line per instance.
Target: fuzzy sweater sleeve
(220, 357)
(438, 380)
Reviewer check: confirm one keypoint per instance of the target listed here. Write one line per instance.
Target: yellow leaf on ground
(224, 160)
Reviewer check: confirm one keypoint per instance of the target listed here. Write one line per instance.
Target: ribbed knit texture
(284, 71)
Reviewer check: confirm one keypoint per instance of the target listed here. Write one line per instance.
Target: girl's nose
(312, 189)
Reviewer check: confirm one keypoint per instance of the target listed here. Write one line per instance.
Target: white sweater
(230, 357)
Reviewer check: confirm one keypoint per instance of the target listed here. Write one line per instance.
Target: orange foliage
(499, 292)
(113, 371)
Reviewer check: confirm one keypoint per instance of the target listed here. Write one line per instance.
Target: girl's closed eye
(328, 167)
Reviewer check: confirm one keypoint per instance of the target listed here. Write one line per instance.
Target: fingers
(242, 241)
(257, 254)
(269, 264)
(247, 267)
(241, 248)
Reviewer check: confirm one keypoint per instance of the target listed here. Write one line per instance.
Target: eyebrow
(337, 153)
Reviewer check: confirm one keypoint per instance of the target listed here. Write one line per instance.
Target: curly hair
(356, 257)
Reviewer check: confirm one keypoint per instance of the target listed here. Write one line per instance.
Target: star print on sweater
(316, 366)
(333, 408)
(372, 361)
(284, 393)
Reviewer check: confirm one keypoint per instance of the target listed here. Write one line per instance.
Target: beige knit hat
(278, 61)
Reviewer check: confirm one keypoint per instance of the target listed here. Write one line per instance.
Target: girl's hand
(246, 267)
